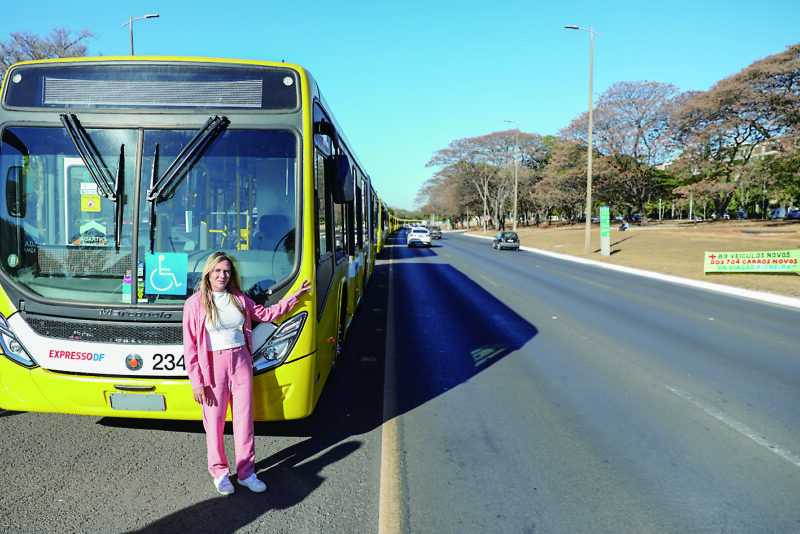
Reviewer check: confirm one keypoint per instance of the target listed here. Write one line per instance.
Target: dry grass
(678, 248)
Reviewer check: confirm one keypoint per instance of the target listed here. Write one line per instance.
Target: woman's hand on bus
(200, 396)
(305, 287)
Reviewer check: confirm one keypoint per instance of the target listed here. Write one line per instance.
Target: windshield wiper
(153, 180)
(119, 193)
(89, 154)
(111, 189)
(163, 187)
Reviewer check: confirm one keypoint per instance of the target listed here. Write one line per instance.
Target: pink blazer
(196, 351)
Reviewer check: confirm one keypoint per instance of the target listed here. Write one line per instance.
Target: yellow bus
(119, 176)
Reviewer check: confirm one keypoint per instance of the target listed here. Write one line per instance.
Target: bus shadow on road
(440, 347)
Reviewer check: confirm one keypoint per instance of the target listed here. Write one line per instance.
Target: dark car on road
(436, 232)
(506, 240)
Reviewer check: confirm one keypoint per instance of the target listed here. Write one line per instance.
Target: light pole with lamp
(588, 238)
(516, 173)
(130, 23)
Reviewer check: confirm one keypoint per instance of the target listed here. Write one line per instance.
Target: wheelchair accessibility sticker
(166, 273)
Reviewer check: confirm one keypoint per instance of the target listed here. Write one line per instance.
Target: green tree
(563, 184)
(483, 166)
(632, 135)
(720, 130)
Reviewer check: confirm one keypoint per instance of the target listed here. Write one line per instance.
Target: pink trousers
(233, 384)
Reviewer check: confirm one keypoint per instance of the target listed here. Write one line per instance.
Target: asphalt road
(522, 394)
(538, 395)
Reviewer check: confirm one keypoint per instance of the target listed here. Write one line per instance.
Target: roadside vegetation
(733, 150)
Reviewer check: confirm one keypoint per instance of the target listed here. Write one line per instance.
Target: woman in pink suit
(218, 349)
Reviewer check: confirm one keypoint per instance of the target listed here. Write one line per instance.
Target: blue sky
(406, 78)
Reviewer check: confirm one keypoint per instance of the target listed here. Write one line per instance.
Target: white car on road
(418, 236)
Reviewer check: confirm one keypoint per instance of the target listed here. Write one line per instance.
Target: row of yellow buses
(119, 176)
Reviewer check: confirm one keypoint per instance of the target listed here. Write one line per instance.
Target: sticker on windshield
(90, 202)
(166, 273)
(93, 233)
(127, 285)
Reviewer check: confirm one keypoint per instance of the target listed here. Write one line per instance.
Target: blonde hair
(204, 286)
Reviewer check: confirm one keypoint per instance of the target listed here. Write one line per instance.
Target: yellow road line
(390, 517)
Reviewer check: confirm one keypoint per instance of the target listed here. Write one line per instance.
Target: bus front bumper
(283, 393)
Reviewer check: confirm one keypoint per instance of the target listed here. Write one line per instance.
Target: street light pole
(130, 24)
(588, 237)
(516, 173)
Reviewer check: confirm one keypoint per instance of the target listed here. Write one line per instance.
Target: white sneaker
(223, 485)
(253, 484)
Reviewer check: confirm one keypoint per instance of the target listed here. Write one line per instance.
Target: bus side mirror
(342, 186)
(15, 199)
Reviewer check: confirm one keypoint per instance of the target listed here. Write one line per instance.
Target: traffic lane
(711, 343)
(449, 333)
(681, 438)
(627, 424)
(738, 336)
(499, 451)
(741, 354)
(612, 399)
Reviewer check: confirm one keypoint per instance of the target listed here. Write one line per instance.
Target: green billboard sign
(755, 261)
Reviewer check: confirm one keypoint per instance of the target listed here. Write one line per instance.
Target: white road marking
(737, 425)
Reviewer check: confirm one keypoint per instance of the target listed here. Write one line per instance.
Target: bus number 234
(166, 362)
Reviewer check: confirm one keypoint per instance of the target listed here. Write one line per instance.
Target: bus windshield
(57, 221)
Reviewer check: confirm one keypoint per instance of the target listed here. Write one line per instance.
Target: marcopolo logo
(135, 314)
(133, 362)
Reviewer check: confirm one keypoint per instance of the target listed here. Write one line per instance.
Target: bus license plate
(150, 402)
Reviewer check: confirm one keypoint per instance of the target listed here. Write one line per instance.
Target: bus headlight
(279, 345)
(12, 347)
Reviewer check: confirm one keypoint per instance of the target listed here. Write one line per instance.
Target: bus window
(62, 247)
(340, 228)
(323, 206)
(359, 218)
(240, 196)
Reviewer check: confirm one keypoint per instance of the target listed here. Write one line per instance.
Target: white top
(227, 332)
